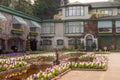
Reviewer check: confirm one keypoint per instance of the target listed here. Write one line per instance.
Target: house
(81, 25)
(15, 26)
(77, 25)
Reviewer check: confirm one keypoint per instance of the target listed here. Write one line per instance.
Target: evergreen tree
(46, 8)
(5, 2)
(24, 6)
(20, 5)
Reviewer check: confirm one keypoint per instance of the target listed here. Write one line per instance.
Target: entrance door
(33, 45)
(89, 43)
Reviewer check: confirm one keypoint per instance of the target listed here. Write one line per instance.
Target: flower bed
(98, 64)
(102, 52)
(50, 73)
(7, 64)
(14, 72)
(12, 66)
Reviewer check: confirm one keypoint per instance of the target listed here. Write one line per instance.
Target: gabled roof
(77, 3)
(107, 4)
(104, 4)
(18, 13)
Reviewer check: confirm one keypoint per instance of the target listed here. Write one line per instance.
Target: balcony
(33, 33)
(17, 31)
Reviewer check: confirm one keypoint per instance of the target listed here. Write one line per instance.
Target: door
(33, 45)
(89, 43)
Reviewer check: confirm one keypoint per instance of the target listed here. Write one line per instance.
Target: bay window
(105, 26)
(75, 11)
(117, 23)
(73, 27)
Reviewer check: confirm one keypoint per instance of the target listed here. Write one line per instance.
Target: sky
(87, 1)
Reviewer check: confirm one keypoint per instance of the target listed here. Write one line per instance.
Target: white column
(96, 42)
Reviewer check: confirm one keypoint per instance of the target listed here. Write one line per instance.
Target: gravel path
(113, 72)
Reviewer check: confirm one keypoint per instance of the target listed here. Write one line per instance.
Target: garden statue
(56, 62)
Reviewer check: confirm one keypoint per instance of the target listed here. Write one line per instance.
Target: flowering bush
(87, 57)
(7, 64)
(88, 65)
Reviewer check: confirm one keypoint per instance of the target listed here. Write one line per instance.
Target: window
(118, 10)
(47, 42)
(117, 23)
(74, 42)
(48, 28)
(74, 27)
(60, 42)
(33, 29)
(17, 26)
(75, 11)
(71, 42)
(41, 43)
(105, 26)
(107, 12)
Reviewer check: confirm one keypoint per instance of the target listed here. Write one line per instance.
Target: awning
(18, 20)
(35, 24)
(2, 17)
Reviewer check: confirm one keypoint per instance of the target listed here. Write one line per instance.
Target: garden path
(113, 72)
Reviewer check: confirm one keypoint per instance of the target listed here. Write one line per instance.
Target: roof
(77, 3)
(95, 4)
(104, 4)
(18, 13)
(111, 17)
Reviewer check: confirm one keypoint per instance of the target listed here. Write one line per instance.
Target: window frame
(60, 42)
(70, 26)
(73, 11)
(48, 28)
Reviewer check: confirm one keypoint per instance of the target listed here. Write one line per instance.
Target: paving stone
(113, 72)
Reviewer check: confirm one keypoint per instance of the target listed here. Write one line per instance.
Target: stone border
(60, 75)
(89, 69)
(77, 69)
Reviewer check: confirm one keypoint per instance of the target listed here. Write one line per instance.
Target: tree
(24, 6)
(5, 2)
(46, 8)
(20, 5)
